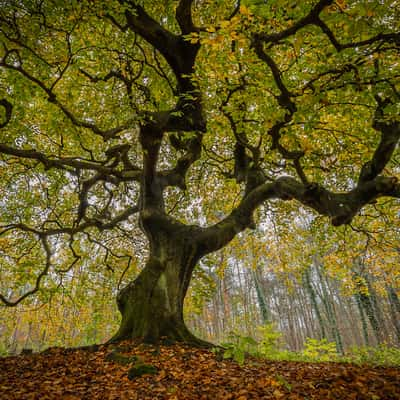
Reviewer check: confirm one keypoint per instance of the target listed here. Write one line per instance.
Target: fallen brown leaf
(186, 373)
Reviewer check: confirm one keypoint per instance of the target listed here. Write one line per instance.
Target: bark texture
(152, 305)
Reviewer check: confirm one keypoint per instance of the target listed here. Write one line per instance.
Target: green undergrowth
(270, 346)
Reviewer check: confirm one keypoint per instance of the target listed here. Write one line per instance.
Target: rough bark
(152, 305)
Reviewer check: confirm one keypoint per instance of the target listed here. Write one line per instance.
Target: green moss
(121, 359)
(141, 369)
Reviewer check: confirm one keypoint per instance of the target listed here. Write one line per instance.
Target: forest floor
(182, 372)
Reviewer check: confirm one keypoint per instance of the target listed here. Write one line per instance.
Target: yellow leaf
(278, 394)
(224, 24)
(244, 10)
(341, 4)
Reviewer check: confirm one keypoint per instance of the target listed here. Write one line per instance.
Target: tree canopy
(184, 122)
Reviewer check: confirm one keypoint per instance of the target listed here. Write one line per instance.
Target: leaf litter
(179, 372)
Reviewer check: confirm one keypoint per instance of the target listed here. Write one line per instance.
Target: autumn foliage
(181, 372)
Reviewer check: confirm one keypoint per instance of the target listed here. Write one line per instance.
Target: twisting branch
(311, 18)
(129, 173)
(89, 223)
(340, 207)
(77, 257)
(8, 112)
(150, 138)
(187, 116)
(235, 10)
(83, 194)
(190, 146)
(43, 273)
(381, 37)
(184, 16)
(52, 98)
(173, 47)
(390, 136)
(44, 234)
(180, 54)
(247, 157)
(107, 252)
(285, 101)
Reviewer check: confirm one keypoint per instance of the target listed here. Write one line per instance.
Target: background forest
(307, 282)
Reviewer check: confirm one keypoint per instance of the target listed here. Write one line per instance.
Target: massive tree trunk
(152, 305)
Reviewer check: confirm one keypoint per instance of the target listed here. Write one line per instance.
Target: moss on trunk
(152, 305)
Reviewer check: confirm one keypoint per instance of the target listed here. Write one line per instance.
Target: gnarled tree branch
(340, 207)
(8, 112)
(390, 136)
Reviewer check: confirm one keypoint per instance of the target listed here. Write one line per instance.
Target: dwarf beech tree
(180, 121)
